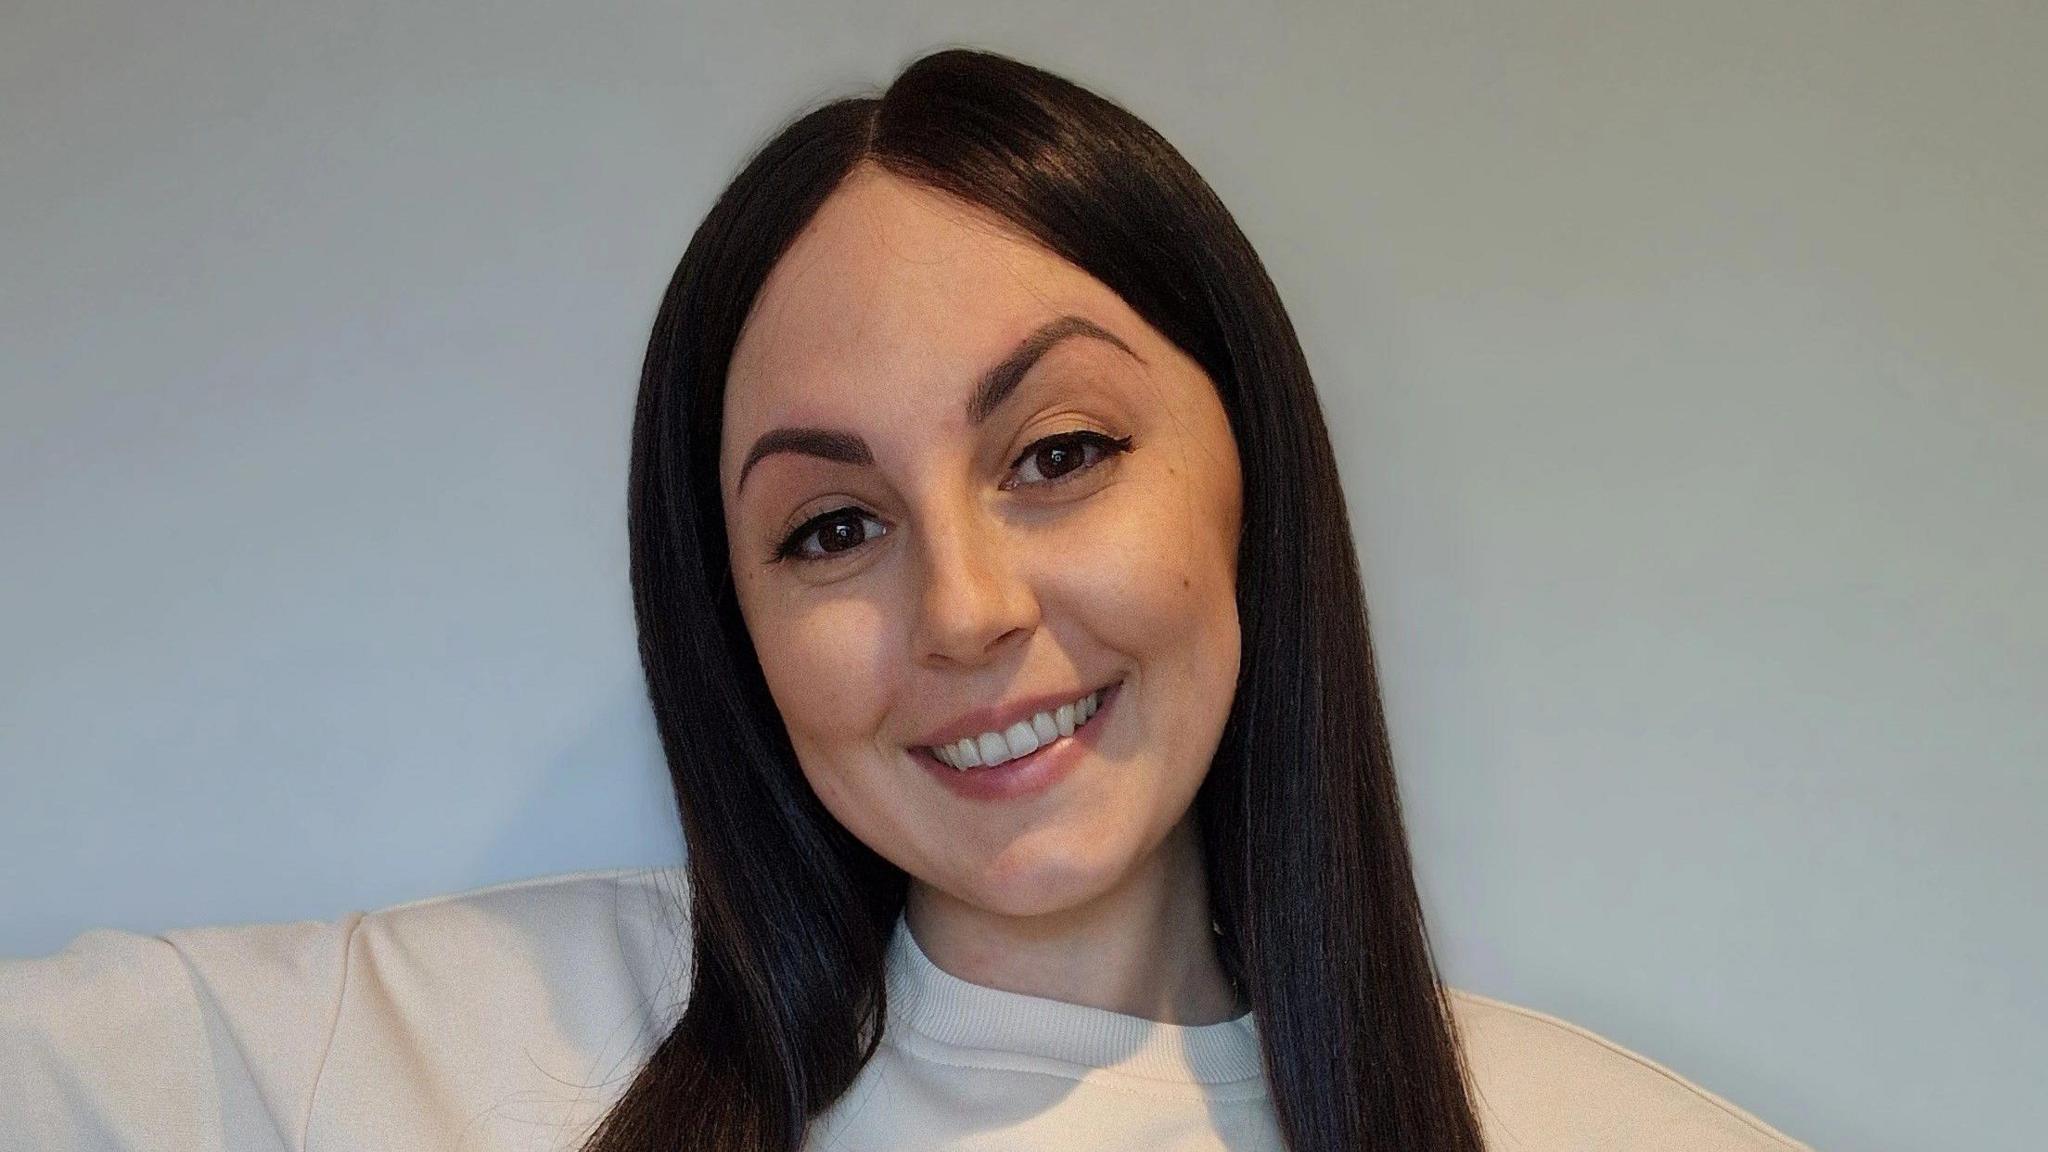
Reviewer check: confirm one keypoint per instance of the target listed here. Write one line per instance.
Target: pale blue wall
(1686, 364)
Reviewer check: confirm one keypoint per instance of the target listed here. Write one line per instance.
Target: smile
(1020, 739)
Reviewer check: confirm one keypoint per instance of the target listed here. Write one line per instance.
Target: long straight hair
(1306, 859)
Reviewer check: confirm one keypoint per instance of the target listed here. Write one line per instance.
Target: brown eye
(840, 534)
(837, 531)
(1056, 458)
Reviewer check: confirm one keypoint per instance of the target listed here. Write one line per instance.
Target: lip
(1026, 775)
(999, 718)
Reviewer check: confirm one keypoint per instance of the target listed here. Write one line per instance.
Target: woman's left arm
(197, 1040)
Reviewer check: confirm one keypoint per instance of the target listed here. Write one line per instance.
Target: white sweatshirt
(511, 1017)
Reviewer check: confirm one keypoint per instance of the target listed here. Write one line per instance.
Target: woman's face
(1027, 494)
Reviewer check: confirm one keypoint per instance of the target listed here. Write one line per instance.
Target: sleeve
(196, 1040)
(1542, 1083)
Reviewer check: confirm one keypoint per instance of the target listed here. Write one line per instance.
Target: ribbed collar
(940, 1006)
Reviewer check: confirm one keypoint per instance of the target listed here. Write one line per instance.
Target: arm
(197, 1040)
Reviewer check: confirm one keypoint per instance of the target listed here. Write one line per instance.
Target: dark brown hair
(1307, 863)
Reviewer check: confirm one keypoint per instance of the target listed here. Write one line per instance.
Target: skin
(963, 579)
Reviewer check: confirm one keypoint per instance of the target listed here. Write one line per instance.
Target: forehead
(893, 291)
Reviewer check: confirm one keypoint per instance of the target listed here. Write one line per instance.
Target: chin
(1039, 883)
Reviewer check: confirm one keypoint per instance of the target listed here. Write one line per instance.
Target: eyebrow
(994, 387)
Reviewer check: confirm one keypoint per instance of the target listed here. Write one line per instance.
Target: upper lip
(998, 718)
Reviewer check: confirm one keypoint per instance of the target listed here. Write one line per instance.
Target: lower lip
(1026, 775)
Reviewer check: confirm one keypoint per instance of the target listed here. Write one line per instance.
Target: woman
(1008, 651)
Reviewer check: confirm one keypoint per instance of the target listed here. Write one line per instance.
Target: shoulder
(467, 1019)
(631, 898)
(1541, 1083)
(624, 930)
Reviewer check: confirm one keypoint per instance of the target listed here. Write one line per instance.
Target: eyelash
(790, 548)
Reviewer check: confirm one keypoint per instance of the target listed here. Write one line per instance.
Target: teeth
(1019, 739)
(1045, 729)
(993, 750)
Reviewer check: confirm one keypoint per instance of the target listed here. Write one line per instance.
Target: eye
(838, 531)
(1058, 457)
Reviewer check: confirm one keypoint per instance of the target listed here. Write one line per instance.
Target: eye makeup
(1080, 442)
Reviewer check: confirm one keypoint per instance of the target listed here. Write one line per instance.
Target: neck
(1144, 948)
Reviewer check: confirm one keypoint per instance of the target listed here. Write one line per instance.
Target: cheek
(1163, 582)
(825, 667)
(834, 668)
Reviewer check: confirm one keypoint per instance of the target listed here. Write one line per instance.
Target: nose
(975, 594)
